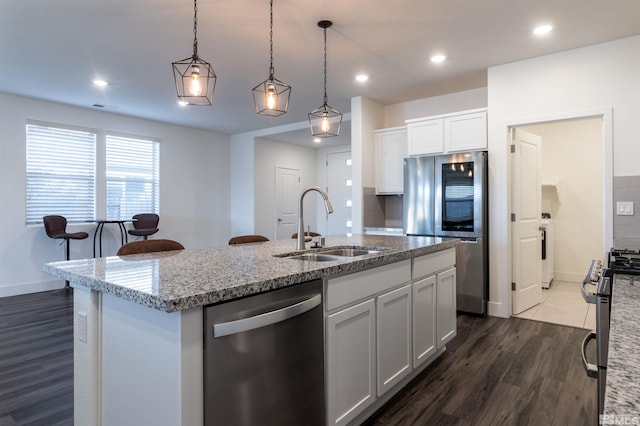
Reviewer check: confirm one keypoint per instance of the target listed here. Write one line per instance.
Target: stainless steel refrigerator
(446, 196)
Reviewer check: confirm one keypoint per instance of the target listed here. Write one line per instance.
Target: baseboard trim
(26, 288)
(496, 309)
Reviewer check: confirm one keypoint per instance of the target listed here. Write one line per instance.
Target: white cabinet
(351, 340)
(390, 148)
(381, 325)
(425, 137)
(393, 337)
(463, 131)
(424, 319)
(446, 293)
(466, 132)
(434, 303)
(351, 385)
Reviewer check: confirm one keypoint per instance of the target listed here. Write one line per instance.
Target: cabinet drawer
(350, 288)
(431, 263)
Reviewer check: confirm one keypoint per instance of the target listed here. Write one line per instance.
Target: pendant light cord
(325, 66)
(195, 29)
(271, 39)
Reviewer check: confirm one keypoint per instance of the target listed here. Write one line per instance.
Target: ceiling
(53, 49)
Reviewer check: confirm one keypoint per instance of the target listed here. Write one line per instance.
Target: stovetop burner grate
(624, 261)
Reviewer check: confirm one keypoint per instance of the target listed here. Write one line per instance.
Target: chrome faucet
(327, 205)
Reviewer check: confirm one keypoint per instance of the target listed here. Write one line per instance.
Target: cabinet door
(351, 385)
(391, 148)
(466, 132)
(446, 294)
(424, 319)
(393, 312)
(425, 137)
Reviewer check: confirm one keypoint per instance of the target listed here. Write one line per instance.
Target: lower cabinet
(393, 337)
(351, 384)
(381, 324)
(446, 292)
(424, 314)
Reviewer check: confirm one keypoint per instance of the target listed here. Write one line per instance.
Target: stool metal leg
(67, 289)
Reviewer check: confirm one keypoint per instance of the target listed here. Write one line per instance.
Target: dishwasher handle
(591, 369)
(268, 318)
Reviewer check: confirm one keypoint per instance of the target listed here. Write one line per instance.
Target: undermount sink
(317, 257)
(351, 252)
(332, 254)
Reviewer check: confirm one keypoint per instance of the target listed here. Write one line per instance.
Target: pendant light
(195, 78)
(271, 97)
(325, 121)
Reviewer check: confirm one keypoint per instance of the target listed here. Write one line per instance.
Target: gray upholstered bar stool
(56, 227)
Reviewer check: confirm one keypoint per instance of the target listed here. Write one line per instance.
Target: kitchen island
(138, 338)
(622, 395)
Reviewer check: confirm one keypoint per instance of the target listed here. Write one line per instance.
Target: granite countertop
(178, 280)
(622, 395)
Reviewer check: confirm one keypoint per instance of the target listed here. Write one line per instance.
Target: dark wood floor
(495, 372)
(501, 372)
(36, 360)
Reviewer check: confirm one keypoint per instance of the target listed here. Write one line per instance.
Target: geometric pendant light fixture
(195, 78)
(325, 121)
(271, 97)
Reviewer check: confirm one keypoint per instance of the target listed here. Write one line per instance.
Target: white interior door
(339, 190)
(526, 200)
(287, 193)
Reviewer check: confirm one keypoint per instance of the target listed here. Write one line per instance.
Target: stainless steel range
(619, 261)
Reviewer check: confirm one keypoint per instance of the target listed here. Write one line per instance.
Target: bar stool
(247, 239)
(149, 246)
(145, 224)
(56, 227)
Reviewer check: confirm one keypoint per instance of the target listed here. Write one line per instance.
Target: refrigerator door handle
(591, 369)
(268, 318)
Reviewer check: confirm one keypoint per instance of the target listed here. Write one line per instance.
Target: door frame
(606, 114)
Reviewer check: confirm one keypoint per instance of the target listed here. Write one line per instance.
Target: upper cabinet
(391, 148)
(463, 131)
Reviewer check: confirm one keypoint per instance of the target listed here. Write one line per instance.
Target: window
(132, 177)
(61, 169)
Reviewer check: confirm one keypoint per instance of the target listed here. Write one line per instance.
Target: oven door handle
(588, 296)
(591, 369)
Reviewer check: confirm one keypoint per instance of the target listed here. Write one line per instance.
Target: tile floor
(563, 304)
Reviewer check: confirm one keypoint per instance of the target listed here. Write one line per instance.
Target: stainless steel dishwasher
(264, 359)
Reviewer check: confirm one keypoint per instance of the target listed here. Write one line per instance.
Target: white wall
(194, 189)
(267, 156)
(242, 176)
(396, 114)
(572, 83)
(366, 116)
(569, 165)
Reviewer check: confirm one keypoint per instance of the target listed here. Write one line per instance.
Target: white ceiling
(53, 49)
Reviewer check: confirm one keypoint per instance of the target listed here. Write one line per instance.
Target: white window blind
(132, 177)
(61, 165)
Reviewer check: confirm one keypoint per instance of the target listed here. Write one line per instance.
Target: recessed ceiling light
(317, 140)
(362, 77)
(438, 58)
(543, 29)
(183, 103)
(100, 83)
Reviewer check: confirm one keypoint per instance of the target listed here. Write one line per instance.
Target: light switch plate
(624, 208)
